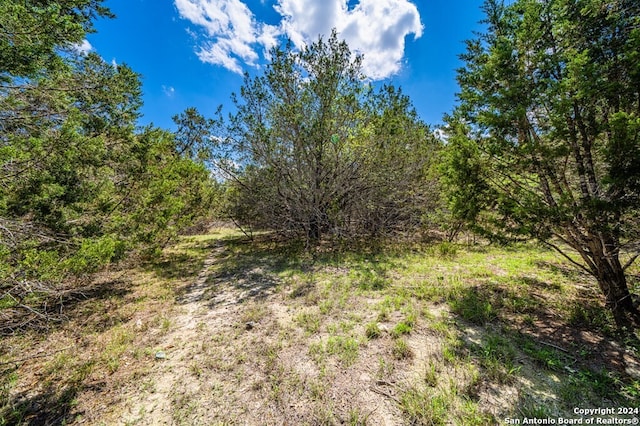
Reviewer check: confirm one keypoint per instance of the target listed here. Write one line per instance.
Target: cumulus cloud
(374, 28)
(235, 38)
(231, 30)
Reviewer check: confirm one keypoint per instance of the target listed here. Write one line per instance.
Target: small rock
(161, 355)
(383, 328)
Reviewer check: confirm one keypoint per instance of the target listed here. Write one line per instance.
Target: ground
(223, 330)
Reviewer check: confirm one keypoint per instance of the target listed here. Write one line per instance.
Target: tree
(32, 32)
(550, 98)
(80, 185)
(319, 151)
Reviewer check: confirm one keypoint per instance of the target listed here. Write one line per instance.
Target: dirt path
(236, 354)
(180, 350)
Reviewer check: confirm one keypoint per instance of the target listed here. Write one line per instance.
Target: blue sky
(192, 52)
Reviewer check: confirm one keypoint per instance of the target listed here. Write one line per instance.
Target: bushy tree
(318, 151)
(550, 98)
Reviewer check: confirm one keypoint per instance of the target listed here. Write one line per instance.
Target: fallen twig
(17, 361)
(551, 345)
(383, 393)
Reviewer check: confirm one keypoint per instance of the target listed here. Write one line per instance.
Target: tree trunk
(313, 234)
(613, 284)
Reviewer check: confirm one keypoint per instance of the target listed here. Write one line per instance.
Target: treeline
(544, 144)
(81, 186)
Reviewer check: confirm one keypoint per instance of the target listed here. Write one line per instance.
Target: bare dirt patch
(235, 354)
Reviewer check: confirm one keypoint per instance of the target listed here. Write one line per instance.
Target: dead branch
(21, 360)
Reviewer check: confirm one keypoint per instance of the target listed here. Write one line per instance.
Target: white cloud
(374, 28)
(169, 91)
(231, 29)
(83, 47)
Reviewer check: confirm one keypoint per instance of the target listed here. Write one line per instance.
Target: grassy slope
(426, 335)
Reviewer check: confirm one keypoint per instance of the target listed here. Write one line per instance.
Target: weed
(401, 349)
(442, 289)
(570, 392)
(165, 324)
(184, 406)
(425, 407)
(254, 314)
(528, 320)
(356, 418)
(631, 390)
(195, 369)
(369, 278)
(587, 315)
(326, 306)
(310, 322)
(346, 348)
(347, 326)
(317, 389)
(470, 415)
(601, 383)
(441, 327)
(474, 307)
(542, 355)
(372, 330)
(431, 374)
(401, 328)
(496, 356)
(446, 250)
(119, 343)
(323, 415)
(533, 409)
(473, 379)
(383, 314)
(60, 364)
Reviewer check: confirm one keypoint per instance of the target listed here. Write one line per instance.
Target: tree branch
(630, 261)
(566, 256)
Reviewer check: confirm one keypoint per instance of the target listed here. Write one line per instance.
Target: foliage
(545, 140)
(32, 33)
(314, 150)
(80, 185)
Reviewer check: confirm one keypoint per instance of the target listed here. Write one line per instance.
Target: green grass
(496, 290)
(497, 357)
(426, 407)
(440, 325)
(309, 321)
(345, 349)
(401, 349)
(372, 330)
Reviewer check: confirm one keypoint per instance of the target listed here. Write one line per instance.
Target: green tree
(397, 151)
(551, 97)
(80, 185)
(319, 151)
(32, 32)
